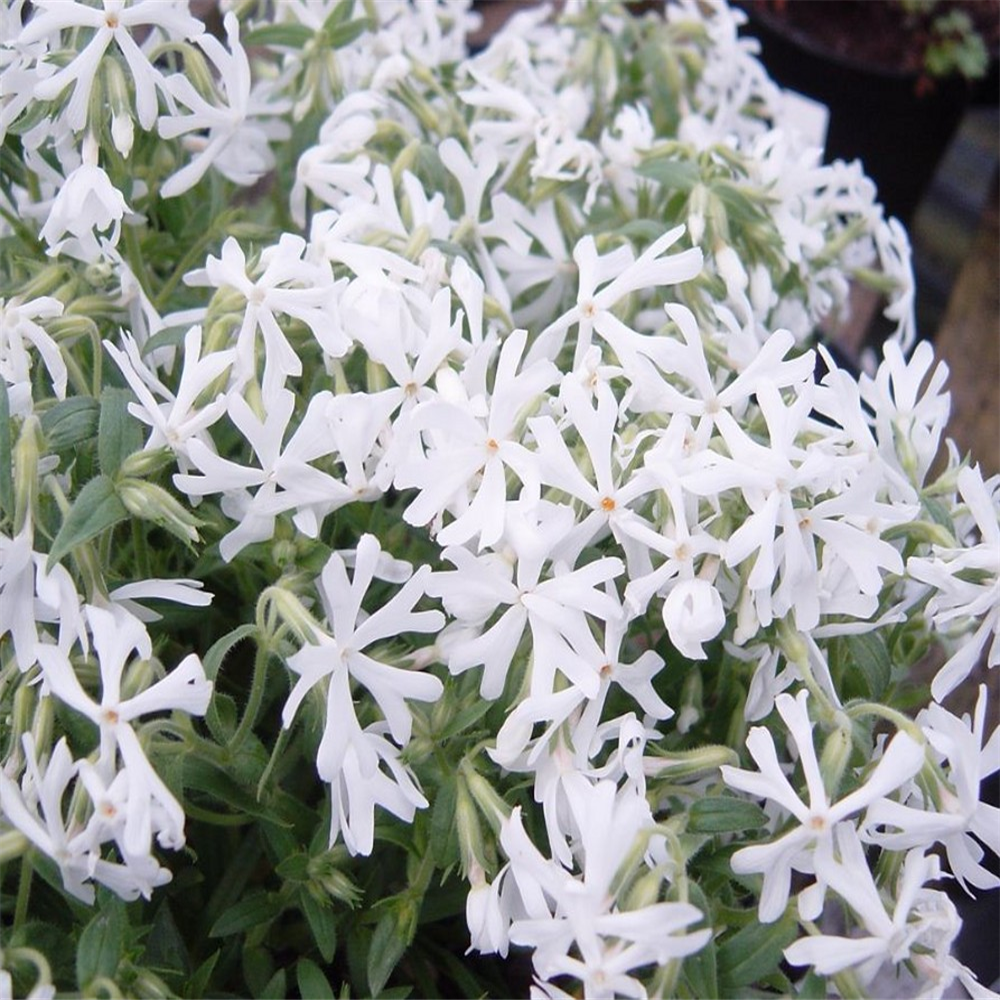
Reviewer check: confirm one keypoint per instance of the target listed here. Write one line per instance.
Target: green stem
(141, 550)
(137, 262)
(24, 890)
(194, 255)
(255, 698)
(900, 721)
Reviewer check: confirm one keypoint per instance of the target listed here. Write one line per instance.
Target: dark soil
(876, 33)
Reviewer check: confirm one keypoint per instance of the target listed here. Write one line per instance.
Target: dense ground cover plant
(431, 530)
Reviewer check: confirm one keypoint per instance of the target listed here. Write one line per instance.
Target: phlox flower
(36, 810)
(573, 923)
(606, 280)
(349, 757)
(19, 328)
(966, 580)
(961, 819)
(288, 285)
(471, 455)
(235, 144)
(285, 479)
(113, 22)
(815, 822)
(910, 408)
(607, 490)
(918, 926)
(553, 607)
(174, 418)
(116, 636)
(87, 201)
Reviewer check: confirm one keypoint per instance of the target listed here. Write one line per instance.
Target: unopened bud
(327, 879)
(836, 753)
(470, 832)
(291, 611)
(153, 503)
(26, 454)
(487, 798)
(690, 763)
(144, 464)
(148, 986)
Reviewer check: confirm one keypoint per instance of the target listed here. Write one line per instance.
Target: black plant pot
(877, 115)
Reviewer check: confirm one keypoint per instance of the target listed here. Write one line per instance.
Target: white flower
(116, 635)
(693, 614)
(961, 817)
(46, 791)
(575, 924)
(112, 23)
(175, 418)
(469, 455)
(348, 757)
(795, 850)
(288, 285)
(967, 583)
(86, 202)
(910, 409)
(235, 145)
(19, 327)
(919, 927)
(554, 609)
(285, 479)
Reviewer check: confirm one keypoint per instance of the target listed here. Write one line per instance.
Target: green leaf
(313, 985)
(204, 776)
(275, 988)
(171, 336)
(442, 834)
(345, 33)
(6, 454)
(675, 175)
(70, 422)
(700, 972)
(217, 652)
(753, 952)
(294, 868)
(99, 949)
(291, 36)
(813, 987)
(249, 912)
(321, 922)
(699, 969)
(118, 432)
(197, 986)
(724, 814)
(95, 509)
(386, 949)
(868, 653)
(939, 514)
(165, 947)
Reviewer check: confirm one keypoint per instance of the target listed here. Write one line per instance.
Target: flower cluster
(494, 413)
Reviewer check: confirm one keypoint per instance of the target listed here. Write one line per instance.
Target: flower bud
(327, 879)
(487, 798)
(836, 754)
(470, 832)
(148, 986)
(153, 503)
(144, 464)
(693, 614)
(122, 131)
(13, 844)
(26, 455)
(291, 611)
(692, 707)
(488, 927)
